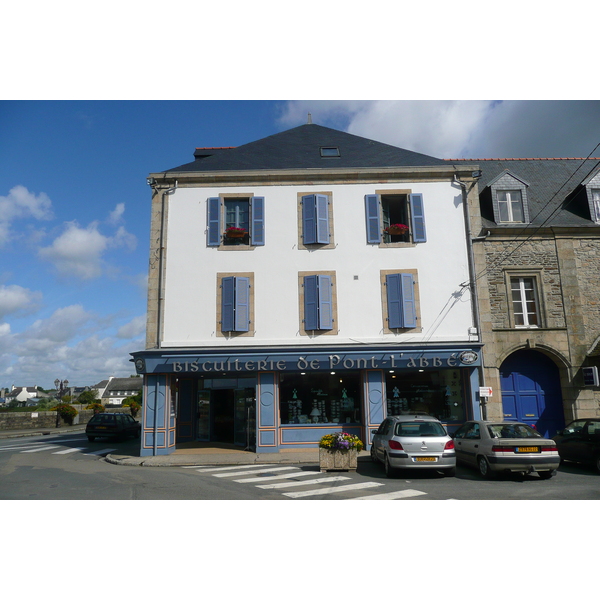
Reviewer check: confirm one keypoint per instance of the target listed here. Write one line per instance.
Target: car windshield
(103, 419)
(420, 429)
(516, 430)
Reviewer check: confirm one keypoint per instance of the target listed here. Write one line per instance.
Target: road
(68, 467)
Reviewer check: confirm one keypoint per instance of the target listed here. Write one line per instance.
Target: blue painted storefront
(170, 376)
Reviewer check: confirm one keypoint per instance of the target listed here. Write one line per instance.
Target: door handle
(476, 446)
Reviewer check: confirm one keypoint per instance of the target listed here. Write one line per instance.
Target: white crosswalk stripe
(284, 484)
(391, 495)
(265, 470)
(332, 490)
(103, 451)
(69, 450)
(280, 476)
(39, 449)
(211, 469)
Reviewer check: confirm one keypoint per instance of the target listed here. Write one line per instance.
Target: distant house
(118, 389)
(25, 396)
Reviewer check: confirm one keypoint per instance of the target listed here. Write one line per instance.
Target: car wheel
(546, 474)
(389, 470)
(91, 438)
(484, 467)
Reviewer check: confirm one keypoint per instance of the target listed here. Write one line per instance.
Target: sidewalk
(189, 454)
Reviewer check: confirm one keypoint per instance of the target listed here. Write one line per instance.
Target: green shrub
(134, 408)
(96, 407)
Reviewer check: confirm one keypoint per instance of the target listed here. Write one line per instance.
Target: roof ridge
(553, 158)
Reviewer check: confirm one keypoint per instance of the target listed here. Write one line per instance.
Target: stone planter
(338, 460)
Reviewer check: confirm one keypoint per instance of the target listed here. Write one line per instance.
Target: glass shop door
(244, 418)
(203, 416)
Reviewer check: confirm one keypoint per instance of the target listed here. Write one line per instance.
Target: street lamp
(60, 392)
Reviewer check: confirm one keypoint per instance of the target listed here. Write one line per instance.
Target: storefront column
(158, 417)
(266, 406)
(374, 409)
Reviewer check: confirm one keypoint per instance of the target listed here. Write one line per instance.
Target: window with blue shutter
(318, 303)
(315, 219)
(372, 216)
(395, 208)
(402, 313)
(235, 303)
(247, 213)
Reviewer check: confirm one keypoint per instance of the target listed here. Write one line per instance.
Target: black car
(115, 425)
(580, 442)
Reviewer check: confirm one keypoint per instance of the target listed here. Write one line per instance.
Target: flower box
(338, 460)
(235, 233)
(396, 229)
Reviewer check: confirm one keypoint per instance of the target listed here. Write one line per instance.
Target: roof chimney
(309, 119)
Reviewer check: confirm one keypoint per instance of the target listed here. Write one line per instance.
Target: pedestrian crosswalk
(35, 447)
(286, 478)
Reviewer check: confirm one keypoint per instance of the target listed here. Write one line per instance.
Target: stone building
(536, 246)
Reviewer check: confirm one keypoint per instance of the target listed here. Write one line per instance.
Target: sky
(75, 207)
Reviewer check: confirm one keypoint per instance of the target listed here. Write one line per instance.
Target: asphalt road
(68, 467)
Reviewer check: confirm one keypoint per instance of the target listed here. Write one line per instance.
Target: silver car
(495, 446)
(413, 442)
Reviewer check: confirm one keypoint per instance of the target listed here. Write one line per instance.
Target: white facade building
(315, 318)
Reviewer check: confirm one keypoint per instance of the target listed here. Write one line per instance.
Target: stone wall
(45, 419)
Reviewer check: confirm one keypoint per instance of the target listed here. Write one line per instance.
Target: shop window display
(437, 393)
(320, 398)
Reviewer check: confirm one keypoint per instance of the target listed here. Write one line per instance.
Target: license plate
(101, 427)
(425, 459)
(527, 449)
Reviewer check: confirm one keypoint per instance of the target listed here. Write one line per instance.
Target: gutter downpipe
(472, 284)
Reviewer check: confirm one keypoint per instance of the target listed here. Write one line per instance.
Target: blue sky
(75, 207)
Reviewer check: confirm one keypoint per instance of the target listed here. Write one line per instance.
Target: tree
(88, 397)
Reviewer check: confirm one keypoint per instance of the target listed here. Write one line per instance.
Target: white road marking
(211, 469)
(69, 450)
(103, 451)
(281, 476)
(265, 470)
(332, 490)
(272, 486)
(39, 449)
(391, 495)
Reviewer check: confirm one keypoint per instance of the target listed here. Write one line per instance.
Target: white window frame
(522, 303)
(508, 202)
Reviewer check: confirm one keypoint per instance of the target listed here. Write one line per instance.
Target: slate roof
(123, 384)
(555, 193)
(299, 148)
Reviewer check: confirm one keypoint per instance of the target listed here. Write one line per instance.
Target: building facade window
(596, 205)
(525, 304)
(510, 206)
(391, 208)
(235, 221)
(235, 295)
(400, 300)
(315, 214)
(317, 303)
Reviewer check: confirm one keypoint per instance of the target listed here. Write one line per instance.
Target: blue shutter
(402, 313)
(309, 220)
(325, 303)
(214, 222)
(394, 301)
(372, 216)
(257, 233)
(409, 312)
(227, 303)
(322, 215)
(417, 216)
(242, 303)
(311, 303)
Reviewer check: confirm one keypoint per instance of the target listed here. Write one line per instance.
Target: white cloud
(116, 215)
(15, 299)
(463, 128)
(22, 204)
(135, 328)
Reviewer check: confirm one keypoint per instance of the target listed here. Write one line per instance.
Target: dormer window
(330, 152)
(596, 205)
(509, 198)
(510, 206)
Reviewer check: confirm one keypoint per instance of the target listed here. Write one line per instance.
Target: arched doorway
(531, 391)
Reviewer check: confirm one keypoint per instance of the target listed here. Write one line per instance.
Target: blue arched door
(531, 391)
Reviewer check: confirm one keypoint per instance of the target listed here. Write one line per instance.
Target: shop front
(290, 398)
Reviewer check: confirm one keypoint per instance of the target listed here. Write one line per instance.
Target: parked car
(413, 442)
(496, 446)
(580, 442)
(115, 425)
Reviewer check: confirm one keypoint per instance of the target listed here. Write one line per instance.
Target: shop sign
(207, 364)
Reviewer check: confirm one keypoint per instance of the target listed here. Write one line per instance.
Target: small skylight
(330, 151)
